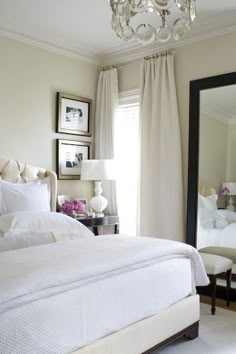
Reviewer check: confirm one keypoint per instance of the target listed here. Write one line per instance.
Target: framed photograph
(73, 115)
(70, 154)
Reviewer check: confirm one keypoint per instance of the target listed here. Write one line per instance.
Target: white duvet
(38, 272)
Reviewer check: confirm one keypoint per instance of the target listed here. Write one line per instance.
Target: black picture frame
(73, 115)
(70, 154)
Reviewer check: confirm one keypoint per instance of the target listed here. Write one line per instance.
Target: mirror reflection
(216, 231)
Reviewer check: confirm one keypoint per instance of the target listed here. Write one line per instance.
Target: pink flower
(79, 207)
(73, 205)
(224, 191)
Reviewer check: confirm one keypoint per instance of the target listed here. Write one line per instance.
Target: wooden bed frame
(190, 332)
(145, 336)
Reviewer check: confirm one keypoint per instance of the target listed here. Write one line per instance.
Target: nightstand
(107, 220)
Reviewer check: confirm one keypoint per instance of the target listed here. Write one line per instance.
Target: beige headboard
(204, 190)
(18, 172)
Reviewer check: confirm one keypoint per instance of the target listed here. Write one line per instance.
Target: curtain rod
(156, 55)
(109, 67)
(161, 54)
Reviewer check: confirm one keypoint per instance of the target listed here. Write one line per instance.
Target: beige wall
(213, 151)
(231, 162)
(29, 80)
(206, 58)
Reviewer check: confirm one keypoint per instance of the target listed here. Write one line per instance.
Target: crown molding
(220, 117)
(88, 58)
(124, 53)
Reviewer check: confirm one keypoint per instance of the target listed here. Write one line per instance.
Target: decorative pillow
(15, 197)
(209, 202)
(41, 222)
(221, 223)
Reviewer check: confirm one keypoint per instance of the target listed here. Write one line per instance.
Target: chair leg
(212, 278)
(228, 288)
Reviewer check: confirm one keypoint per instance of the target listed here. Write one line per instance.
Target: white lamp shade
(98, 170)
(231, 187)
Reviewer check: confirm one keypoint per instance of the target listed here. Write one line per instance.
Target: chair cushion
(215, 264)
(227, 252)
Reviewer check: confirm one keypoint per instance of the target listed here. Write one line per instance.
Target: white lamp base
(231, 206)
(98, 203)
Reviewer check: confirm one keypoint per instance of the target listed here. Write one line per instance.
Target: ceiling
(220, 103)
(82, 28)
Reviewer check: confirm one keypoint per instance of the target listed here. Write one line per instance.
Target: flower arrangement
(224, 191)
(73, 206)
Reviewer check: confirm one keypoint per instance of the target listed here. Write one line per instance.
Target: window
(126, 153)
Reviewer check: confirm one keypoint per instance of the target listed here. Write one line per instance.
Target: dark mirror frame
(193, 146)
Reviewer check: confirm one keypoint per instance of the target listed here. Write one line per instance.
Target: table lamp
(232, 191)
(98, 171)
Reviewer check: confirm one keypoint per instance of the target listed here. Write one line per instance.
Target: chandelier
(127, 15)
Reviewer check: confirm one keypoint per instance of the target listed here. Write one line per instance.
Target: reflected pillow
(209, 202)
(220, 222)
(209, 219)
(228, 214)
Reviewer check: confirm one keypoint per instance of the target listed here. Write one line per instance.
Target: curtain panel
(106, 106)
(161, 180)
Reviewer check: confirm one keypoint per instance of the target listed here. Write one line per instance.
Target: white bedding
(70, 320)
(217, 237)
(66, 295)
(44, 270)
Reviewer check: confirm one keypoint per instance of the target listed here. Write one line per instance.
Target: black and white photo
(70, 154)
(73, 114)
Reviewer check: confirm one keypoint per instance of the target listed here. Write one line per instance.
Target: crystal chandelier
(125, 14)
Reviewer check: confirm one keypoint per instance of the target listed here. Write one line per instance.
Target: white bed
(104, 295)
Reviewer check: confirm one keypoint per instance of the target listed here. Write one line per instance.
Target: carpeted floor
(217, 335)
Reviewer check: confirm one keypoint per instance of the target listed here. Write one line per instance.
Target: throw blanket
(32, 273)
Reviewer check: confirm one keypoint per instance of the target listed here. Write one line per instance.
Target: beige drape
(161, 183)
(106, 106)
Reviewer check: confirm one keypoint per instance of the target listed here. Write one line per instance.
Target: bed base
(152, 333)
(190, 333)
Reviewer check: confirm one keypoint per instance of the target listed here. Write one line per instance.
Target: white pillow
(15, 197)
(209, 219)
(41, 222)
(209, 202)
(28, 239)
(221, 223)
(227, 214)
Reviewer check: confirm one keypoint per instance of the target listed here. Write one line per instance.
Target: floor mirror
(211, 202)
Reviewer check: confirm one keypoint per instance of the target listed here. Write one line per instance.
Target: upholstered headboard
(17, 172)
(204, 190)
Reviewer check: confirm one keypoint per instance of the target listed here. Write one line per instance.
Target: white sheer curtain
(161, 183)
(106, 107)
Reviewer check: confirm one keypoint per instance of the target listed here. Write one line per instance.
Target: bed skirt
(146, 334)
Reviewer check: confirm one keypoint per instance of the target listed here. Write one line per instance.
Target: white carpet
(217, 335)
